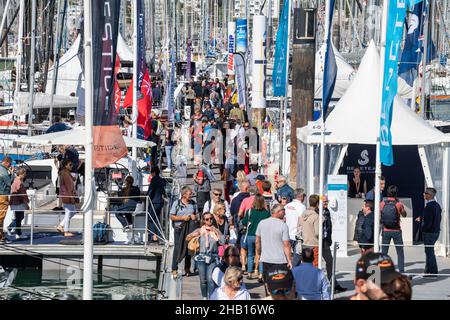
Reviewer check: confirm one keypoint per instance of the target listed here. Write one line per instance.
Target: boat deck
(52, 243)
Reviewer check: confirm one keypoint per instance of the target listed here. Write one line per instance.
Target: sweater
(432, 217)
(309, 224)
(252, 218)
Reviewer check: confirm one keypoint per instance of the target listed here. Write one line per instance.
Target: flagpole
(88, 249)
(286, 100)
(32, 67)
(135, 77)
(377, 199)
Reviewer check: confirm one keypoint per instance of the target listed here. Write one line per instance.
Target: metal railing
(104, 208)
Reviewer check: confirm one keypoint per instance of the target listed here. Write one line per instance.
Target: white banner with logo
(337, 197)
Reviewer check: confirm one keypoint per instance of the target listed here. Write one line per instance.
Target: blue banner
(330, 67)
(394, 35)
(140, 42)
(279, 78)
(241, 35)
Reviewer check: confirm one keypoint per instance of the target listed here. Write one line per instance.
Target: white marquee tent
(355, 120)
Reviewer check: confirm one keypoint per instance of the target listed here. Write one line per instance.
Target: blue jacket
(285, 191)
(58, 127)
(432, 217)
(156, 190)
(5, 181)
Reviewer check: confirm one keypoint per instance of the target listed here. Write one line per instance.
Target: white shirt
(219, 294)
(293, 210)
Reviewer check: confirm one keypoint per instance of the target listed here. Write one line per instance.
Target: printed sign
(337, 197)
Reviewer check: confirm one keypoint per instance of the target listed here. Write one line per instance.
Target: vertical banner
(281, 54)
(394, 33)
(241, 36)
(140, 41)
(109, 146)
(330, 67)
(231, 46)
(259, 62)
(171, 95)
(337, 204)
(239, 67)
(188, 61)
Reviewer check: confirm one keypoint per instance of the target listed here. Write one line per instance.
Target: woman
(233, 288)
(208, 257)
(202, 188)
(221, 223)
(357, 186)
(68, 196)
(231, 257)
(251, 220)
(240, 178)
(19, 202)
(130, 198)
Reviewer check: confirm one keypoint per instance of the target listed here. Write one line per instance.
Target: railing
(104, 207)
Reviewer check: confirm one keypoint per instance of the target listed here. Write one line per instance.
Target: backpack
(102, 233)
(389, 215)
(359, 226)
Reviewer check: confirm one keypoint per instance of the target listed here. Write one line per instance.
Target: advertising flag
(281, 55)
(117, 91)
(239, 68)
(241, 35)
(109, 145)
(330, 67)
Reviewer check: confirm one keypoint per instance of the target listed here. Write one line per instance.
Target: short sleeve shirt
(180, 209)
(273, 233)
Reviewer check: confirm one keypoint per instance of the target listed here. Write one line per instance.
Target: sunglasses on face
(207, 219)
(217, 194)
(281, 291)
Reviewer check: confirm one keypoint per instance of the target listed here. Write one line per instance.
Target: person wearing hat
(431, 227)
(375, 271)
(280, 284)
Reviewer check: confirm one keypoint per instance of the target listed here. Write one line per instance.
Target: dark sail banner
(109, 145)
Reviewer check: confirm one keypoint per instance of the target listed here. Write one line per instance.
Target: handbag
(221, 249)
(194, 245)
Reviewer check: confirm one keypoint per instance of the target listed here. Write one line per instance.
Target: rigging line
(39, 256)
(33, 293)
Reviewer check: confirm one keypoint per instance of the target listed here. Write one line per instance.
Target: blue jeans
(398, 242)
(169, 156)
(205, 273)
(17, 222)
(251, 247)
(124, 213)
(296, 258)
(429, 239)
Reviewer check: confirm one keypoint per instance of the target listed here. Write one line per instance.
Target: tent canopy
(41, 101)
(355, 118)
(76, 137)
(345, 74)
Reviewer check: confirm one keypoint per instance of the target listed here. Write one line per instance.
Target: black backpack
(359, 226)
(389, 215)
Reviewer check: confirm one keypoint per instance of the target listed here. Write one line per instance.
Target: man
(207, 111)
(294, 210)
(57, 126)
(182, 212)
(326, 245)
(366, 236)
(371, 194)
(431, 227)
(5, 190)
(308, 223)
(156, 192)
(391, 210)
(370, 269)
(280, 284)
(155, 137)
(272, 242)
(217, 198)
(253, 174)
(284, 190)
(310, 282)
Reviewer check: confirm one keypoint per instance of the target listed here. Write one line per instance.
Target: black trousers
(177, 247)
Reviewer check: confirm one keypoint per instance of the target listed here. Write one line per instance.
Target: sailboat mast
(32, 66)
(20, 46)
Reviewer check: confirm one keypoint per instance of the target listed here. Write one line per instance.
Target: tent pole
(88, 249)
(378, 160)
